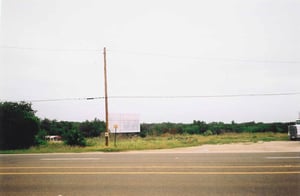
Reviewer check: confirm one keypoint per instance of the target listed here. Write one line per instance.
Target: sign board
(125, 123)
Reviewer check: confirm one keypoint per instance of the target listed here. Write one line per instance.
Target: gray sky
(52, 49)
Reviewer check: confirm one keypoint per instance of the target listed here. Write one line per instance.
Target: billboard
(125, 123)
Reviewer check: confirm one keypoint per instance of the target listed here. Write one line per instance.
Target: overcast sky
(53, 49)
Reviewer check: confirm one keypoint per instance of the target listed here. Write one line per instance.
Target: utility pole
(106, 100)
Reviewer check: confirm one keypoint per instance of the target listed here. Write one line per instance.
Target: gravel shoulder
(259, 147)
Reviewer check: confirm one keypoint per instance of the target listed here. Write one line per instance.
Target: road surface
(151, 173)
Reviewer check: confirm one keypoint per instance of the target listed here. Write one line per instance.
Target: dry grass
(153, 142)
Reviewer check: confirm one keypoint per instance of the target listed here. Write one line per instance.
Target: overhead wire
(206, 58)
(51, 49)
(225, 59)
(205, 96)
(165, 97)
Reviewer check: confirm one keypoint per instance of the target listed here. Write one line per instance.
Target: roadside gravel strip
(259, 147)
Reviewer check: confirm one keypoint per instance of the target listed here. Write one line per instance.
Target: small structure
(53, 138)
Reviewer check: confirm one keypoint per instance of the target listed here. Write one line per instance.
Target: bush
(39, 138)
(74, 138)
(207, 133)
(143, 134)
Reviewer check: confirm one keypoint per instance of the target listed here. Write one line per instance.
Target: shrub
(143, 134)
(39, 138)
(207, 133)
(74, 137)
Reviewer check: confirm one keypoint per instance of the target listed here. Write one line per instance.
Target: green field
(167, 141)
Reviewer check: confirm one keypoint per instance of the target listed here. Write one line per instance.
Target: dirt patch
(274, 146)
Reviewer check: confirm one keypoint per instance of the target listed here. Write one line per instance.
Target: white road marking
(160, 167)
(154, 173)
(282, 157)
(69, 159)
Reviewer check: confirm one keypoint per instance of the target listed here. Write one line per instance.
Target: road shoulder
(273, 146)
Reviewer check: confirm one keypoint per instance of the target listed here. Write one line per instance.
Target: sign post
(115, 127)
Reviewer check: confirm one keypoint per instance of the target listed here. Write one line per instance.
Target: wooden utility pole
(106, 100)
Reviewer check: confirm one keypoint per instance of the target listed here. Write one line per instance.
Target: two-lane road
(151, 174)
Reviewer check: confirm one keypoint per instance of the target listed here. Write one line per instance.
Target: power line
(61, 99)
(51, 49)
(224, 59)
(206, 96)
(167, 97)
(206, 58)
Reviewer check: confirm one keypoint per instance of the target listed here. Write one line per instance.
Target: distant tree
(144, 129)
(217, 127)
(54, 127)
(93, 128)
(191, 129)
(18, 125)
(202, 126)
(46, 125)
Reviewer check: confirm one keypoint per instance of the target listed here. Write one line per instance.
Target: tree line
(21, 128)
(201, 127)
(96, 127)
(87, 128)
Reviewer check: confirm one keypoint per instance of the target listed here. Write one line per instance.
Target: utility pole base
(106, 140)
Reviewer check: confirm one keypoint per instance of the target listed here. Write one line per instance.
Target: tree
(93, 128)
(46, 125)
(18, 125)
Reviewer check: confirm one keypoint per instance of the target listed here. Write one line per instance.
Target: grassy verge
(151, 142)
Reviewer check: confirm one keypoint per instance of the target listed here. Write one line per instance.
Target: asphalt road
(151, 174)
